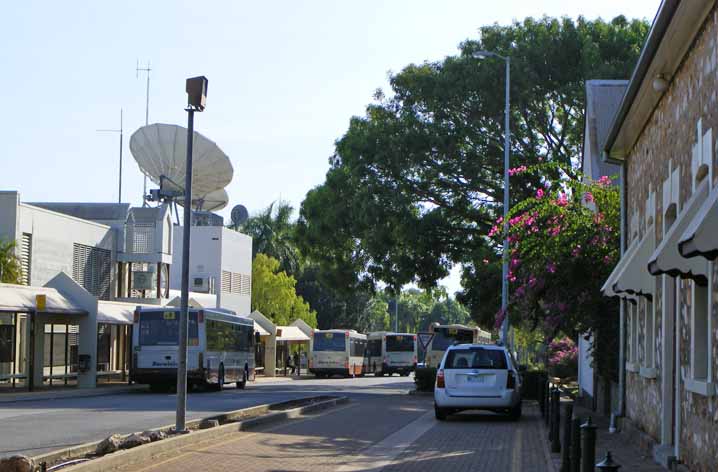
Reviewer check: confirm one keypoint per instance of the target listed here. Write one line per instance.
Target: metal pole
(396, 313)
(119, 193)
(505, 266)
(147, 122)
(182, 361)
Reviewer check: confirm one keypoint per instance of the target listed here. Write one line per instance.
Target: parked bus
(448, 335)
(220, 348)
(389, 353)
(337, 352)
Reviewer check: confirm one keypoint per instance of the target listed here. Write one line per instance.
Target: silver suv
(477, 377)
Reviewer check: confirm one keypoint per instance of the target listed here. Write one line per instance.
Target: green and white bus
(220, 348)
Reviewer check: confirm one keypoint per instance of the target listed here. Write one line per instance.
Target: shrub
(563, 358)
(425, 378)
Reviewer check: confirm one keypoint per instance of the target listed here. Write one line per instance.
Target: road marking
(516, 456)
(243, 435)
(383, 453)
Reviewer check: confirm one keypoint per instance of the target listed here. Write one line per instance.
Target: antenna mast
(147, 115)
(119, 192)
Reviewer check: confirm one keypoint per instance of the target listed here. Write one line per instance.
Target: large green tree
(272, 232)
(416, 183)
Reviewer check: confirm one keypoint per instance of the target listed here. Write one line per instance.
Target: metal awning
(258, 328)
(21, 298)
(700, 237)
(291, 333)
(118, 312)
(634, 278)
(666, 259)
(607, 288)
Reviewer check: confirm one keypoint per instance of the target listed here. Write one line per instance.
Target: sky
(285, 77)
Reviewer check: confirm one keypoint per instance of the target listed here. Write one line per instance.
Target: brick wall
(668, 139)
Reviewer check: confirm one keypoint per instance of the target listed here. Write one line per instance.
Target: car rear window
(475, 358)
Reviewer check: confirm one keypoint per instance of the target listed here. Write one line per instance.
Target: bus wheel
(220, 378)
(243, 382)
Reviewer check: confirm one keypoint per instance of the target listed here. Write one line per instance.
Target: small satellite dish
(211, 202)
(239, 215)
(161, 153)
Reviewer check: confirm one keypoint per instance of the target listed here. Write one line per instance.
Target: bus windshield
(400, 343)
(445, 337)
(161, 328)
(329, 342)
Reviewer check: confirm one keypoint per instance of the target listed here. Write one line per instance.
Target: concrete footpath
(382, 432)
(69, 392)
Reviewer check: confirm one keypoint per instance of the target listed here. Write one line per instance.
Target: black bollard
(608, 464)
(556, 420)
(588, 446)
(547, 402)
(575, 445)
(566, 451)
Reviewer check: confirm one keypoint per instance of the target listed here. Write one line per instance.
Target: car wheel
(515, 412)
(440, 413)
(243, 382)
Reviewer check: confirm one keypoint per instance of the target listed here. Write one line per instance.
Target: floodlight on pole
(507, 145)
(196, 88)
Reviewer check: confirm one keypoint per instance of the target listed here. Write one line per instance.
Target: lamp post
(507, 145)
(196, 88)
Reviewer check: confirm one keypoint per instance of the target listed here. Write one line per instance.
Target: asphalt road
(35, 427)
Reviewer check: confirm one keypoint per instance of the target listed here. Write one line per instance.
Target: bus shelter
(292, 343)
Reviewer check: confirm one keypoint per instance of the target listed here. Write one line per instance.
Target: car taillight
(440, 383)
(510, 381)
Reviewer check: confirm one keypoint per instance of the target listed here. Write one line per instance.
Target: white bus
(389, 353)
(337, 352)
(448, 335)
(220, 348)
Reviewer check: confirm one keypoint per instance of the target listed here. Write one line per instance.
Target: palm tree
(10, 269)
(272, 231)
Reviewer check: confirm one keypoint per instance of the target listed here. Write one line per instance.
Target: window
(399, 343)
(329, 342)
(374, 348)
(161, 328)
(476, 358)
(632, 334)
(700, 334)
(26, 258)
(357, 347)
(228, 337)
(650, 340)
(445, 337)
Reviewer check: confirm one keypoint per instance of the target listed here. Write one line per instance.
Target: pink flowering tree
(564, 242)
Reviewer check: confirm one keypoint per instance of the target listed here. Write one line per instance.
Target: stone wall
(666, 143)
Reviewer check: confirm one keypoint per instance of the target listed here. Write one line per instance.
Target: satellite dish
(239, 215)
(161, 153)
(213, 201)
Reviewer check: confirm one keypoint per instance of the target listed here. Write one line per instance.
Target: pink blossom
(607, 259)
(518, 170)
(562, 200)
(539, 194)
(588, 197)
(576, 251)
(551, 268)
(604, 180)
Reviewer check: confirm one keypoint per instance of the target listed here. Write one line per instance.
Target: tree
(415, 185)
(10, 269)
(273, 293)
(564, 243)
(272, 232)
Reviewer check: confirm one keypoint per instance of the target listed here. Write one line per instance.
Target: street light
(507, 145)
(196, 89)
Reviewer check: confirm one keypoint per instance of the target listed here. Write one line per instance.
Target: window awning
(635, 279)
(258, 328)
(118, 312)
(607, 288)
(21, 298)
(700, 238)
(291, 333)
(666, 259)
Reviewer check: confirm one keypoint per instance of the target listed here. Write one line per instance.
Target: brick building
(662, 137)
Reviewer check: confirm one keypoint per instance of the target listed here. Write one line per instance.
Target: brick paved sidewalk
(630, 457)
(392, 433)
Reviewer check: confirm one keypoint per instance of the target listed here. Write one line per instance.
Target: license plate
(478, 379)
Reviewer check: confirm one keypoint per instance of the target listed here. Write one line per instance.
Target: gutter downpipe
(622, 304)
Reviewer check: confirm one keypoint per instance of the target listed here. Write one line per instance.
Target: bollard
(575, 445)
(547, 397)
(556, 420)
(588, 446)
(566, 451)
(608, 464)
(540, 389)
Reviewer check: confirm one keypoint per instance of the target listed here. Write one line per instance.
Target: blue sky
(284, 79)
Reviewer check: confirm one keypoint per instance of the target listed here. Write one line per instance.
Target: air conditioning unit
(203, 284)
(144, 280)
